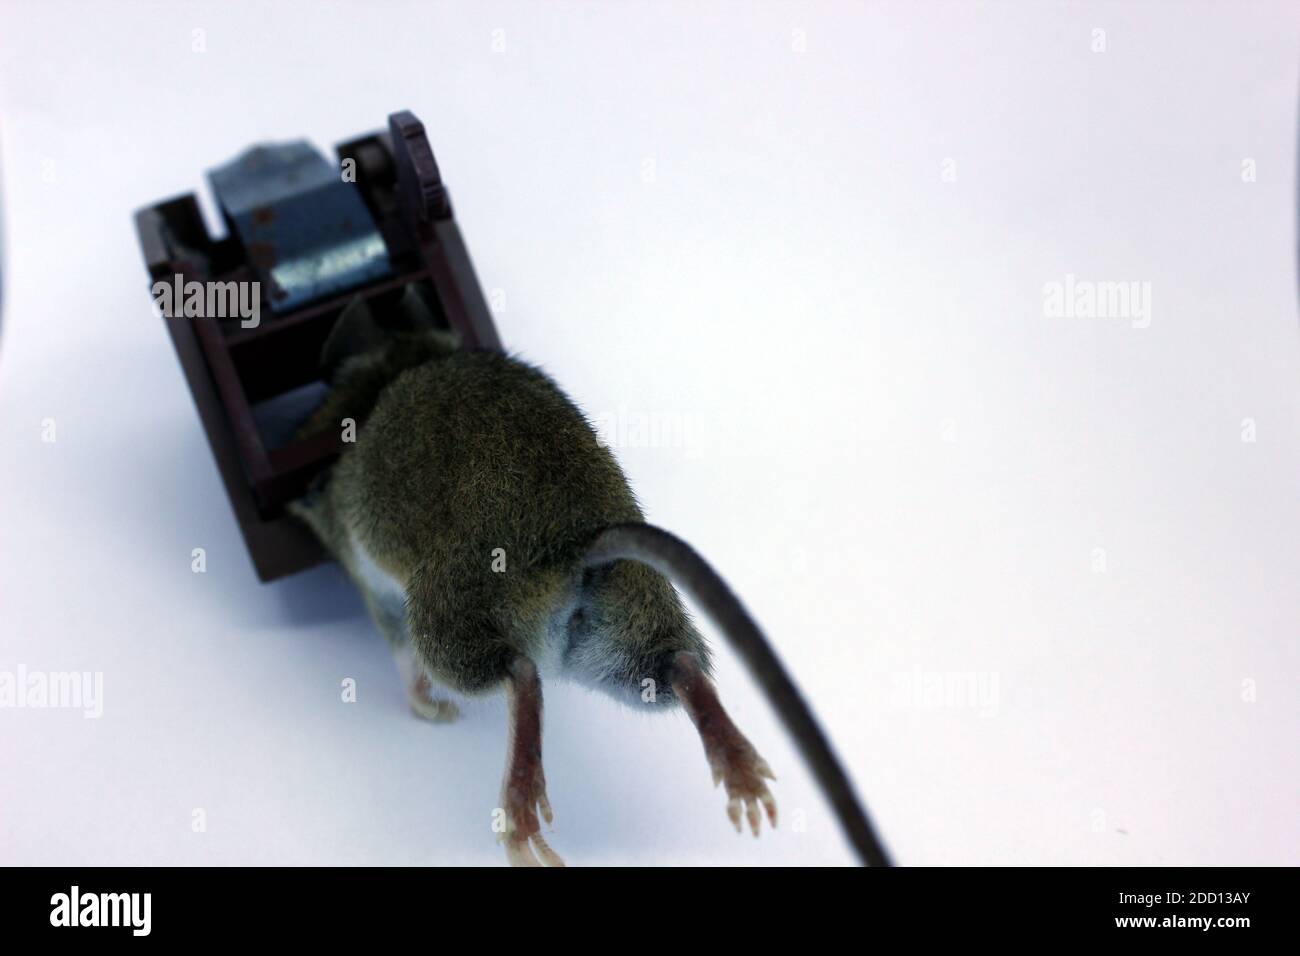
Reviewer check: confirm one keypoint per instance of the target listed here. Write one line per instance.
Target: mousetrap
(304, 237)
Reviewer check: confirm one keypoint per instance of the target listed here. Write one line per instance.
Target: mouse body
(465, 511)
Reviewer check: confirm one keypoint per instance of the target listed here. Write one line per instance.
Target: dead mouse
(495, 539)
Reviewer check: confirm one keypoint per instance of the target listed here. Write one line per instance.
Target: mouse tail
(682, 564)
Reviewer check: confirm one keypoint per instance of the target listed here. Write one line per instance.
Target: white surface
(899, 461)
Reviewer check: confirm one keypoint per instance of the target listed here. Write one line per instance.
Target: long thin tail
(677, 560)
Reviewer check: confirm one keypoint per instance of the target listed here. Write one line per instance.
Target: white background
(899, 460)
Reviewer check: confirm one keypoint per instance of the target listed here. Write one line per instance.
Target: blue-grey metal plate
(307, 233)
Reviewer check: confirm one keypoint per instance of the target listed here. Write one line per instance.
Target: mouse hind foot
(426, 706)
(523, 790)
(734, 761)
(421, 691)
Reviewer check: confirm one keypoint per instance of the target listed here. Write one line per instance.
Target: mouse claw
(519, 853)
(548, 856)
(522, 803)
(769, 804)
(435, 711)
(733, 811)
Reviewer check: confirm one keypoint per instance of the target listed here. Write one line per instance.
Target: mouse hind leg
(734, 761)
(634, 640)
(389, 615)
(384, 598)
(427, 699)
(523, 787)
(479, 634)
(387, 603)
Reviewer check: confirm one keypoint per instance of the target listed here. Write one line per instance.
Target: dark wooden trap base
(231, 369)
